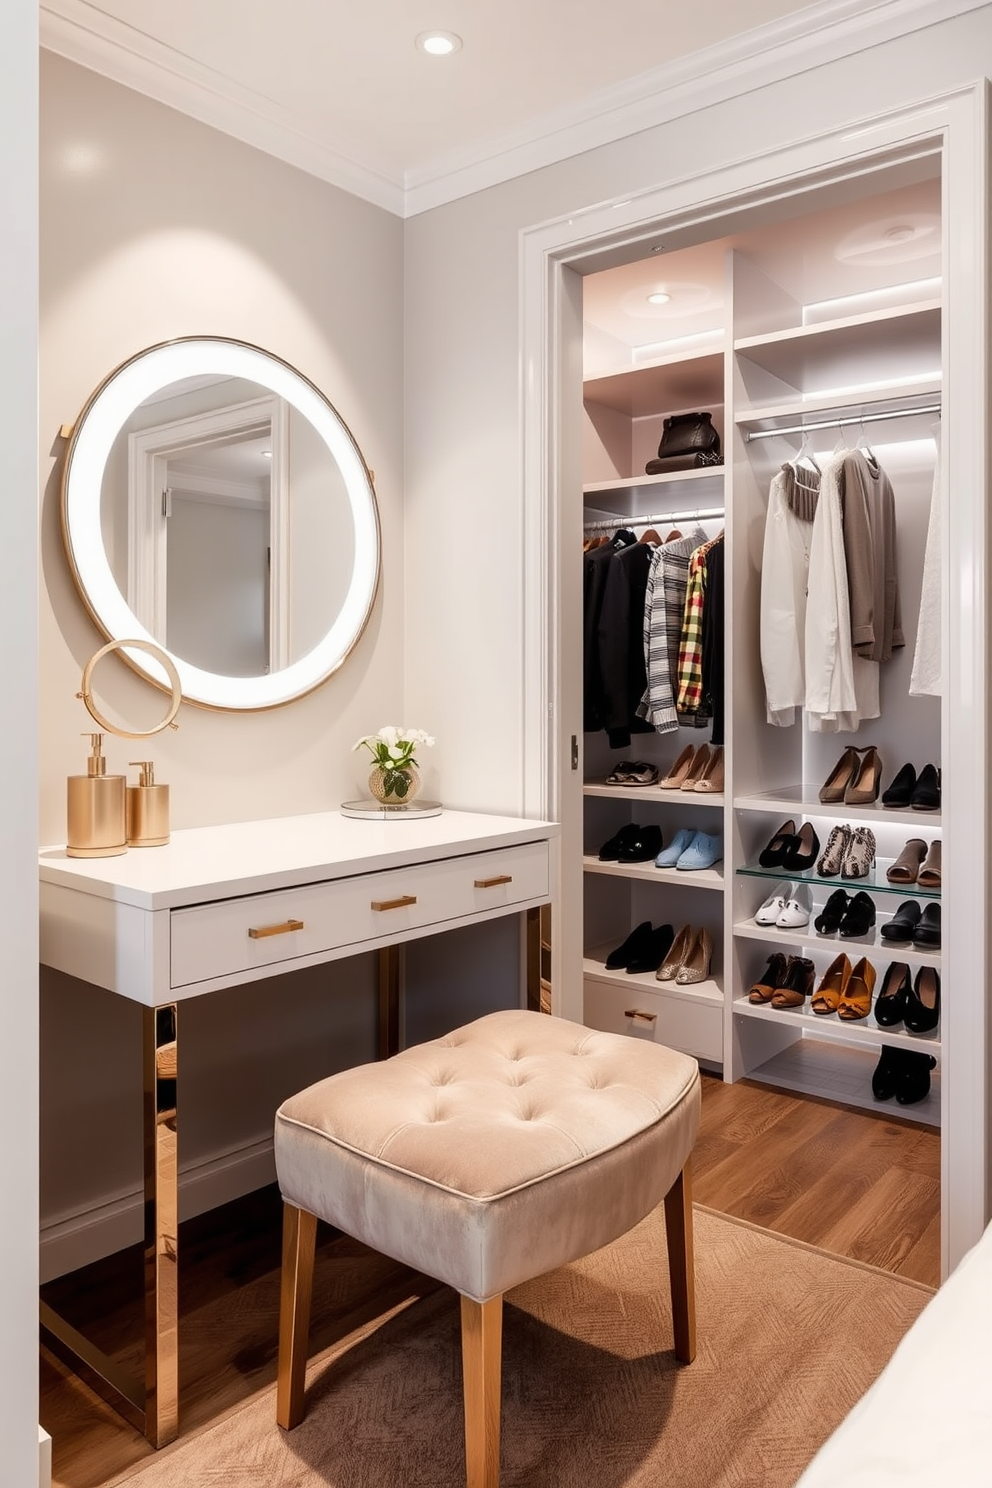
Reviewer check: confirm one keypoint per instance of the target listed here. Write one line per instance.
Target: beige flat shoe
(679, 770)
(712, 777)
(929, 874)
(698, 770)
(696, 966)
(681, 946)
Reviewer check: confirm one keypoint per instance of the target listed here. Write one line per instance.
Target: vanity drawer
(283, 925)
(678, 1022)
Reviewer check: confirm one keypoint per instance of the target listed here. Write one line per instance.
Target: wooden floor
(856, 1183)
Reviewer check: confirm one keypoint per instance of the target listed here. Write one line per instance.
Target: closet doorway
(806, 304)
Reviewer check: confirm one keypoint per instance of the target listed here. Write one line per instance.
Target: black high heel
(890, 1004)
(923, 1001)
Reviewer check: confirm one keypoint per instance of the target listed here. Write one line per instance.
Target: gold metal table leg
(153, 1406)
(161, 1225)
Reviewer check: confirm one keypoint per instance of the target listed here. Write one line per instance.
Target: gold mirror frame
(90, 442)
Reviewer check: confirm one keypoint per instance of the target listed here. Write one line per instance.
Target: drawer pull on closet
(491, 883)
(401, 903)
(644, 1017)
(262, 932)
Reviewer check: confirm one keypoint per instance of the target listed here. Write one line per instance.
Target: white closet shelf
(831, 1029)
(668, 385)
(705, 878)
(807, 940)
(652, 794)
(906, 331)
(803, 800)
(623, 493)
(839, 1072)
(594, 965)
(878, 399)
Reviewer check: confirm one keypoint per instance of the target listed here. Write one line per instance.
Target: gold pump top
(95, 764)
(147, 768)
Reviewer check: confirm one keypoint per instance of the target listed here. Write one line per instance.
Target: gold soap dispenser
(95, 808)
(147, 809)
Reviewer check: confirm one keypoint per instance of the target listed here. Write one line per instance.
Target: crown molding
(81, 33)
(819, 33)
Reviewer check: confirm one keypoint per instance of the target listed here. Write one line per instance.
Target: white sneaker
(774, 905)
(797, 908)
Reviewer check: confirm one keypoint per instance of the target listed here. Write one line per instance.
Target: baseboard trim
(73, 1240)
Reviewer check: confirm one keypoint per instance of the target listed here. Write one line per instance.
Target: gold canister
(95, 809)
(147, 809)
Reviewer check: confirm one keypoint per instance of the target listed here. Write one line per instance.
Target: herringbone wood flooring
(856, 1183)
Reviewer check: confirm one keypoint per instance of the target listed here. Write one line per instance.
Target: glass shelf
(804, 801)
(875, 883)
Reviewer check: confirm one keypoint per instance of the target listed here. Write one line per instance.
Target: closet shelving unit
(780, 369)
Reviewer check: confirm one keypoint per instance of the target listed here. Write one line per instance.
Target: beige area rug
(788, 1339)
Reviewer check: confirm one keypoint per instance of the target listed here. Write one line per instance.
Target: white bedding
(927, 1420)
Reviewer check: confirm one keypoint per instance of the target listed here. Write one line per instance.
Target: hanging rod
(843, 423)
(658, 520)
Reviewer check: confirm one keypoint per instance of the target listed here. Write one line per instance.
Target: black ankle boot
(914, 1077)
(885, 1079)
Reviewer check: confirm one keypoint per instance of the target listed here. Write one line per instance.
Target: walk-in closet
(809, 337)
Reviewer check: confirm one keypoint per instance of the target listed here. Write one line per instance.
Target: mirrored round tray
(376, 811)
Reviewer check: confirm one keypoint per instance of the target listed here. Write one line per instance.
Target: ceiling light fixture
(659, 297)
(439, 43)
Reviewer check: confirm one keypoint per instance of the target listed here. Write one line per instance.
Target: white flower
(389, 735)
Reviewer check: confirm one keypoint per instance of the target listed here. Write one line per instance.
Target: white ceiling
(341, 89)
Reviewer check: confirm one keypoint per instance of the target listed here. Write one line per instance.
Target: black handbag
(687, 438)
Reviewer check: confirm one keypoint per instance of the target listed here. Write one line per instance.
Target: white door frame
(549, 255)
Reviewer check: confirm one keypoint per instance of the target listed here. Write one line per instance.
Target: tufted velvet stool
(486, 1158)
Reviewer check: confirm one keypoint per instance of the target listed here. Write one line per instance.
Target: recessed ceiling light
(266, 454)
(900, 234)
(659, 298)
(439, 43)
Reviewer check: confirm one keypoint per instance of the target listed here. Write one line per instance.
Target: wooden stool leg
(678, 1228)
(482, 1339)
(299, 1233)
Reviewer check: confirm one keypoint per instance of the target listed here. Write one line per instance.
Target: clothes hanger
(673, 535)
(866, 448)
(650, 536)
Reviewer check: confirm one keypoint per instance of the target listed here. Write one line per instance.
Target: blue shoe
(702, 852)
(669, 856)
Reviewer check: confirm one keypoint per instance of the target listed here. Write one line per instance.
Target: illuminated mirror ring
(166, 662)
(145, 376)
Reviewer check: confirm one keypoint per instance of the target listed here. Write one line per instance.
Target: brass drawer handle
(260, 932)
(644, 1017)
(400, 903)
(490, 883)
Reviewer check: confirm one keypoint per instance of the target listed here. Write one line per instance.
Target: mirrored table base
(374, 810)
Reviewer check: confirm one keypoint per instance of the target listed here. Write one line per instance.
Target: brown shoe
(929, 875)
(712, 777)
(831, 989)
(764, 989)
(799, 977)
(840, 777)
(863, 789)
(907, 865)
(855, 1002)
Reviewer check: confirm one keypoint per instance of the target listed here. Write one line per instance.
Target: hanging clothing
(841, 688)
(664, 604)
(622, 673)
(927, 662)
(691, 698)
(785, 563)
(713, 639)
(869, 516)
(595, 568)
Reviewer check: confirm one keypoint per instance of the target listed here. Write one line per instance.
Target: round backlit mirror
(215, 503)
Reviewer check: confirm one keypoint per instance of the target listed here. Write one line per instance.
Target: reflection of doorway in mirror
(207, 535)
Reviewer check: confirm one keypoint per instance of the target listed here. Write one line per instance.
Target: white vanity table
(219, 906)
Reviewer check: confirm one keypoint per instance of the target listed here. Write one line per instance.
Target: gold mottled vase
(403, 785)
